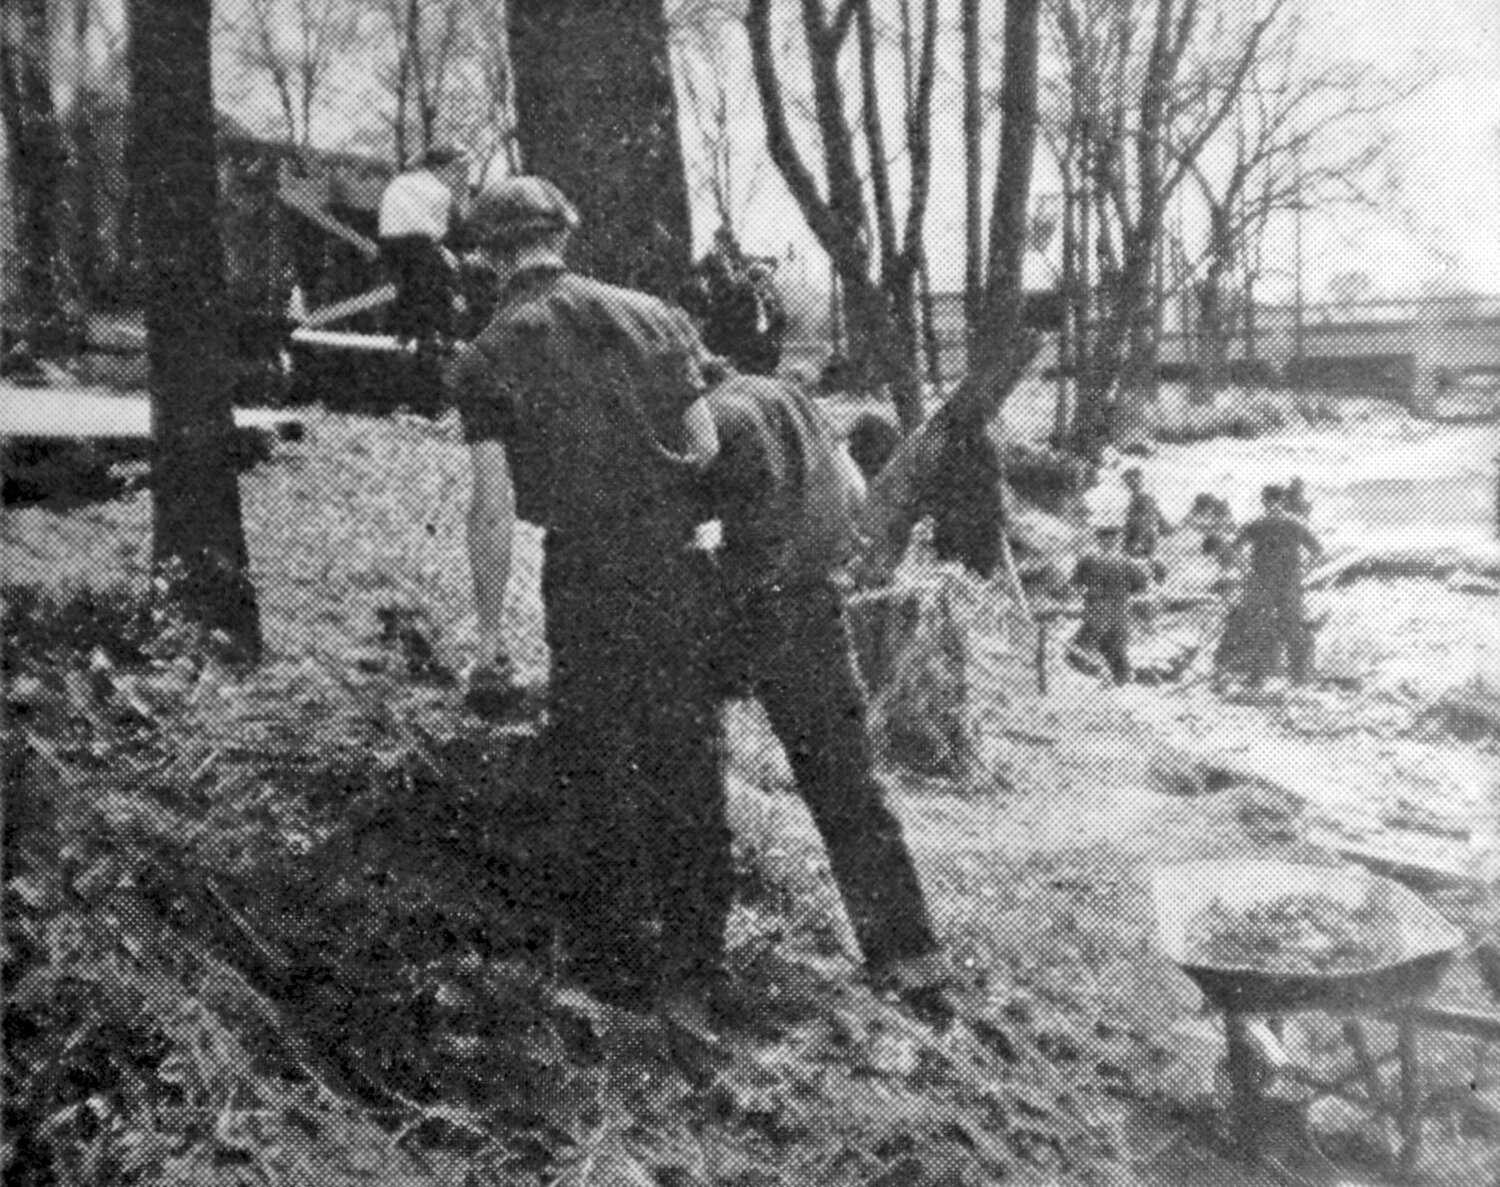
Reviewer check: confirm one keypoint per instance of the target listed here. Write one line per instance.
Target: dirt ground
(1037, 869)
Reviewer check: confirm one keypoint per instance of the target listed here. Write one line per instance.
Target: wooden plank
(341, 340)
(99, 413)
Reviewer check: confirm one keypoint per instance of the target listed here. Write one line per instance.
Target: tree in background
(1142, 107)
(597, 114)
(293, 45)
(877, 271)
(725, 170)
(1301, 136)
(951, 466)
(38, 168)
(198, 530)
(92, 48)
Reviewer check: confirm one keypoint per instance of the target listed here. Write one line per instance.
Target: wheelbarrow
(1417, 947)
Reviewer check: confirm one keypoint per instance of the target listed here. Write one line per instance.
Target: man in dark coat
(1108, 579)
(582, 404)
(1273, 611)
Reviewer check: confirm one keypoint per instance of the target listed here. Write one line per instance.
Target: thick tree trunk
(199, 536)
(1012, 200)
(597, 115)
(87, 250)
(38, 162)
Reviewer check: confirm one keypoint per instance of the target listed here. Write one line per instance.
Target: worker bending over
(788, 498)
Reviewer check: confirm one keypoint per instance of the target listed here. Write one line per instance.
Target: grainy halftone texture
(297, 923)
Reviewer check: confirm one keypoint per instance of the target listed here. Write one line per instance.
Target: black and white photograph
(677, 593)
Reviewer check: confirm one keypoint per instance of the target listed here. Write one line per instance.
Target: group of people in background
(1265, 627)
(733, 297)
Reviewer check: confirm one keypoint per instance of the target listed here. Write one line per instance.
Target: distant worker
(1108, 579)
(736, 305)
(785, 493)
(1145, 525)
(419, 211)
(871, 442)
(1273, 611)
(582, 404)
(710, 294)
(762, 353)
(1296, 500)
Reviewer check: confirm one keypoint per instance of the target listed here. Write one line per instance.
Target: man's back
(415, 203)
(586, 385)
(1276, 544)
(778, 485)
(1107, 580)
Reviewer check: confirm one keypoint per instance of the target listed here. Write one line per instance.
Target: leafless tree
(597, 113)
(197, 525)
(1301, 136)
(724, 168)
(293, 44)
(425, 41)
(1151, 84)
(877, 268)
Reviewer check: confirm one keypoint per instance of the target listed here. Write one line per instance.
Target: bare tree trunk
(1012, 199)
(1067, 340)
(403, 84)
(198, 527)
(597, 115)
(955, 439)
(38, 163)
(930, 341)
(973, 179)
(881, 322)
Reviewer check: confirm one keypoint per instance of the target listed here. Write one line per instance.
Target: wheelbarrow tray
(1180, 893)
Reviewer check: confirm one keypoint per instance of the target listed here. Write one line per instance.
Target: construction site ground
(1035, 866)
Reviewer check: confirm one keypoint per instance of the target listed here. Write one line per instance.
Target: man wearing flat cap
(582, 406)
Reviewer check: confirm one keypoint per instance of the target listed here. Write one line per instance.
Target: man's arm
(492, 522)
(1310, 542)
(700, 435)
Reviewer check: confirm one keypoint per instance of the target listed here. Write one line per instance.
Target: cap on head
(1272, 494)
(442, 155)
(509, 206)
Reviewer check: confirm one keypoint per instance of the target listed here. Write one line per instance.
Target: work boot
(924, 984)
(712, 1003)
(491, 690)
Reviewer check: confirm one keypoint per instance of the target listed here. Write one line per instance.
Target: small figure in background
(1108, 579)
(733, 299)
(871, 442)
(762, 354)
(1144, 523)
(1273, 589)
(419, 211)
